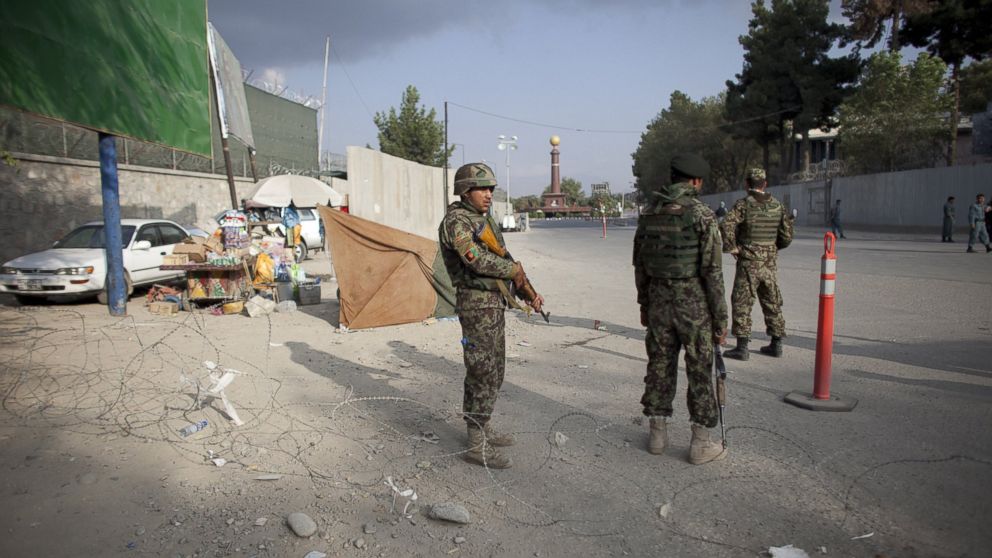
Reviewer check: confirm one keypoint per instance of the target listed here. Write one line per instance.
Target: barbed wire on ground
(142, 380)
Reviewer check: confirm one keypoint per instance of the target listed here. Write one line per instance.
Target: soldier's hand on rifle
(735, 253)
(720, 337)
(537, 302)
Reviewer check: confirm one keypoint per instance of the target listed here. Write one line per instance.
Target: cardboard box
(194, 251)
(175, 259)
(164, 308)
(213, 244)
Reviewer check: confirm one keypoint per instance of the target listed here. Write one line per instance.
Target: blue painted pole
(112, 225)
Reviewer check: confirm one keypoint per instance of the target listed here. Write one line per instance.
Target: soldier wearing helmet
(484, 281)
(679, 279)
(754, 230)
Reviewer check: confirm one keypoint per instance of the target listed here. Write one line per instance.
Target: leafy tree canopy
(976, 87)
(896, 118)
(788, 81)
(413, 133)
(869, 19)
(696, 127)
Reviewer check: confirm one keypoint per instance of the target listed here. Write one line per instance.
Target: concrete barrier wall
(395, 192)
(910, 199)
(46, 197)
(906, 200)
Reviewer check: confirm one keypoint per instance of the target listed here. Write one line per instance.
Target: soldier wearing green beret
(679, 278)
(483, 280)
(754, 230)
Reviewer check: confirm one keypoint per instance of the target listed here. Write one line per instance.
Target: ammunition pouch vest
(670, 243)
(761, 221)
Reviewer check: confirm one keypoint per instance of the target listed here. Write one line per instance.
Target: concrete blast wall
(395, 192)
(906, 200)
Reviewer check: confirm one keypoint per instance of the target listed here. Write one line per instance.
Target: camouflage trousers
(756, 278)
(484, 348)
(679, 318)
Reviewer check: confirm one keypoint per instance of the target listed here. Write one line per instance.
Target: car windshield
(91, 236)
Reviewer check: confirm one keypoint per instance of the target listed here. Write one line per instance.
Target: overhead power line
(597, 131)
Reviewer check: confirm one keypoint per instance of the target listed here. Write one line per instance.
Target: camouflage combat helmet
(474, 175)
(756, 176)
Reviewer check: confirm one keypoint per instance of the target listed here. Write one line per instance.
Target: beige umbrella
(301, 191)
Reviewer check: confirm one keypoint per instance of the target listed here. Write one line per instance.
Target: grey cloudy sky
(604, 67)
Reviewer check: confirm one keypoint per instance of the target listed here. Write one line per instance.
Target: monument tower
(555, 199)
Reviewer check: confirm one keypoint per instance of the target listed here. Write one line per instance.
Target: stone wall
(46, 197)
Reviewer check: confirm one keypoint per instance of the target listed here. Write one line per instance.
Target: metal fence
(285, 137)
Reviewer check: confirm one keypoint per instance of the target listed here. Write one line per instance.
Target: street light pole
(507, 144)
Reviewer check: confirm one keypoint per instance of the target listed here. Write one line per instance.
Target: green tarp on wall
(134, 68)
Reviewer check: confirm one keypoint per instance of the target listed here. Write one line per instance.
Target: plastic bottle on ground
(193, 428)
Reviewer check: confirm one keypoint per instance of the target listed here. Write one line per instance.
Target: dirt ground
(94, 465)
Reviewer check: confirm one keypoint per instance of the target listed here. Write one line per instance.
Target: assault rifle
(720, 372)
(485, 236)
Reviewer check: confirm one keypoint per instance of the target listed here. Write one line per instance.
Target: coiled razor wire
(56, 367)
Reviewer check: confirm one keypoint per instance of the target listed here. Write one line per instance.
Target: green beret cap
(691, 165)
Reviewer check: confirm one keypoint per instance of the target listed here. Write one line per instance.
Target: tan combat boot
(658, 437)
(497, 438)
(484, 453)
(702, 449)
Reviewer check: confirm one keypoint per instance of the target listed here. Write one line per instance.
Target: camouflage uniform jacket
(736, 216)
(474, 270)
(711, 264)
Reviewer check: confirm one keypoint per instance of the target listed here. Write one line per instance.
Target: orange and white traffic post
(820, 399)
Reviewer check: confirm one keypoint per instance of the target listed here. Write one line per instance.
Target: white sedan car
(77, 264)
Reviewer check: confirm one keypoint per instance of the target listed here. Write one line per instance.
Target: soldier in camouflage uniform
(754, 230)
(679, 279)
(483, 281)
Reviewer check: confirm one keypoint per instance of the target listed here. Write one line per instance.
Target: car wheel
(103, 297)
(300, 251)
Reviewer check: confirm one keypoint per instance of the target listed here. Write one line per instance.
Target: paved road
(913, 339)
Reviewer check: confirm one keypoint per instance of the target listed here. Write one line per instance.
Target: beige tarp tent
(386, 276)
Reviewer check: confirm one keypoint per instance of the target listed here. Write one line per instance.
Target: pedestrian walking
(835, 224)
(976, 222)
(679, 280)
(755, 229)
(721, 211)
(482, 280)
(948, 229)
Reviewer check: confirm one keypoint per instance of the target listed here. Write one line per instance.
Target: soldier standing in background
(482, 280)
(679, 278)
(976, 222)
(948, 231)
(755, 229)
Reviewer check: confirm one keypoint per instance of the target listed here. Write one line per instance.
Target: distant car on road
(77, 264)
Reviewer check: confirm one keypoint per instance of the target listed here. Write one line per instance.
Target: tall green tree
(870, 18)
(953, 30)
(573, 191)
(895, 119)
(976, 87)
(413, 133)
(788, 83)
(692, 126)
